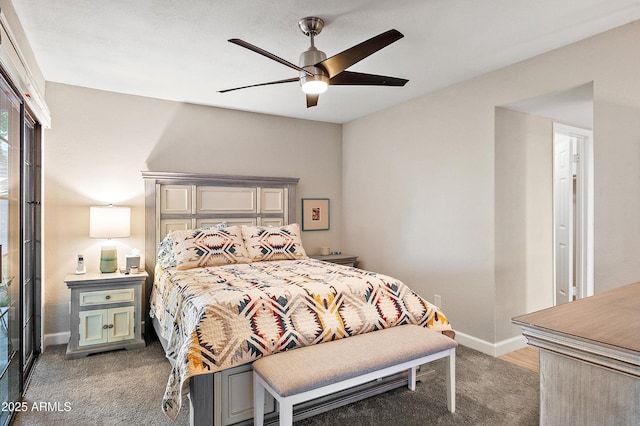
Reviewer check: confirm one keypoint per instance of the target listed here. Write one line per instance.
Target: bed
(233, 283)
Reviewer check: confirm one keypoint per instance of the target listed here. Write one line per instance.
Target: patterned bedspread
(219, 317)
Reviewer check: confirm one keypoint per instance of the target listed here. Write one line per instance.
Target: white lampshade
(109, 222)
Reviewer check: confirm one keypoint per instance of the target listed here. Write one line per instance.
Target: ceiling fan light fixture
(314, 85)
(318, 81)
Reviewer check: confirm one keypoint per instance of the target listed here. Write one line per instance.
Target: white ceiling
(178, 49)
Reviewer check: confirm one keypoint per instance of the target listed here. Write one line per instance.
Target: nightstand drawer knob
(107, 297)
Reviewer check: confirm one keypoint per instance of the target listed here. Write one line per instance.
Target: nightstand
(340, 259)
(105, 312)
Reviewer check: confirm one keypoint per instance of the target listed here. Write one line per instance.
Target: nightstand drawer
(103, 297)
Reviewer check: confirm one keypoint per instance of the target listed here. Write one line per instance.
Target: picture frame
(315, 214)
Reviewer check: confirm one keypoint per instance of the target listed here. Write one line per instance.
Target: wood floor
(527, 358)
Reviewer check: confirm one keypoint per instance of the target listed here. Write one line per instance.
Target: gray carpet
(126, 387)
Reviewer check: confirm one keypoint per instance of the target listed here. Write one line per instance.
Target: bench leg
(286, 413)
(412, 378)
(451, 380)
(258, 401)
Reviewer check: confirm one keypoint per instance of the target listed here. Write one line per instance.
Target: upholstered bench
(310, 372)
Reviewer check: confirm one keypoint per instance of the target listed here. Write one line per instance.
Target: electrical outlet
(437, 300)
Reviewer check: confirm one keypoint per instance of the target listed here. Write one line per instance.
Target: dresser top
(611, 317)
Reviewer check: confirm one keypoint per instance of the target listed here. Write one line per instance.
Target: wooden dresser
(589, 358)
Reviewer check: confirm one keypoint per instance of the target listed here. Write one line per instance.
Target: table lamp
(109, 222)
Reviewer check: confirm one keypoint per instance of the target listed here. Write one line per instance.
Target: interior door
(563, 217)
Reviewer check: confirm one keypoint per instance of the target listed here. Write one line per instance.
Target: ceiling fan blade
(343, 60)
(268, 55)
(312, 100)
(350, 78)
(288, 80)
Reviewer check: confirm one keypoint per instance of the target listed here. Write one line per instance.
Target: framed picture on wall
(315, 214)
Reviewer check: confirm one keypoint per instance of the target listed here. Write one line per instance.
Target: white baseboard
(55, 339)
(491, 349)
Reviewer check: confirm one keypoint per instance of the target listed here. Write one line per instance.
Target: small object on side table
(106, 312)
(80, 267)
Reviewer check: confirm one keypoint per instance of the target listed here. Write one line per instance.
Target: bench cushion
(311, 367)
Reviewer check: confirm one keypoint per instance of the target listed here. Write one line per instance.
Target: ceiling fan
(317, 72)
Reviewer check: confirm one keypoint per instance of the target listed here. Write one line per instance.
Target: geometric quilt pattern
(273, 243)
(219, 317)
(209, 247)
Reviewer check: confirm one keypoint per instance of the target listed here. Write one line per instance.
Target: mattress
(214, 318)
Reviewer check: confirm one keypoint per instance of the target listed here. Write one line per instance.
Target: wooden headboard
(188, 201)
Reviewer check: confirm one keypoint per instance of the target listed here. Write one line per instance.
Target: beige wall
(419, 179)
(524, 216)
(100, 141)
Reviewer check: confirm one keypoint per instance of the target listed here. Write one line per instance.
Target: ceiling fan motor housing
(308, 59)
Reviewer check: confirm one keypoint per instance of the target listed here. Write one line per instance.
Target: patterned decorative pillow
(209, 247)
(273, 242)
(166, 253)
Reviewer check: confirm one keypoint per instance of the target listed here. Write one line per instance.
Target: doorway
(572, 213)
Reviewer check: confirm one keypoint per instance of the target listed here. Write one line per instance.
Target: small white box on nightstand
(133, 262)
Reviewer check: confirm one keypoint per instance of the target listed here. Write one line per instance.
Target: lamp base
(108, 259)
